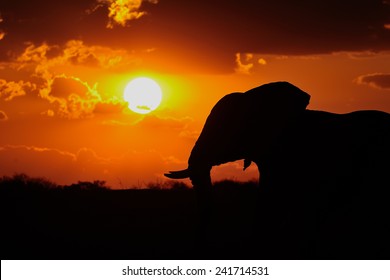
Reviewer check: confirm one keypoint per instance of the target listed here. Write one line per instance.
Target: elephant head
(243, 126)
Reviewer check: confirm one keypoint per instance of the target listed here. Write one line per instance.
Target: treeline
(24, 182)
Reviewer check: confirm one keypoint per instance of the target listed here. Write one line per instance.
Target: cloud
(10, 89)
(109, 107)
(376, 80)
(363, 54)
(73, 52)
(268, 28)
(76, 52)
(242, 64)
(85, 156)
(38, 150)
(3, 116)
(246, 62)
(49, 113)
(261, 61)
(2, 33)
(204, 34)
(52, 162)
(154, 122)
(61, 166)
(120, 12)
(70, 96)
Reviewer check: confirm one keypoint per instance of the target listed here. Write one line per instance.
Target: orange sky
(64, 66)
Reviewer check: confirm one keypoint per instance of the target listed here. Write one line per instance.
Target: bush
(22, 181)
(96, 185)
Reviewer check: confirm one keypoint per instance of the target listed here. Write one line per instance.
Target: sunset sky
(64, 66)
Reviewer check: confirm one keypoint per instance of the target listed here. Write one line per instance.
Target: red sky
(64, 66)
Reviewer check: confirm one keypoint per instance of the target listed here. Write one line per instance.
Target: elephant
(307, 159)
(270, 126)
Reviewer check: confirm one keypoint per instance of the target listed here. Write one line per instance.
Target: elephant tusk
(181, 174)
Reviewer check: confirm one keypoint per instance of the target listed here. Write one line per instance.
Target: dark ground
(86, 221)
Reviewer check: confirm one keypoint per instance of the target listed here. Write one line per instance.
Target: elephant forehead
(273, 87)
(279, 94)
(228, 102)
(226, 108)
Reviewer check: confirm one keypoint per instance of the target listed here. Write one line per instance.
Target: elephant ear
(270, 110)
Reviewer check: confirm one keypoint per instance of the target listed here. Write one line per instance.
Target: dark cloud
(377, 80)
(40, 21)
(207, 31)
(64, 86)
(280, 26)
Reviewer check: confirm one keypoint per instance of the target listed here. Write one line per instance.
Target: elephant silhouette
(307, 159)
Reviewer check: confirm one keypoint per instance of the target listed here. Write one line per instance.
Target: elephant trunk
(199, 166)
(199, 173)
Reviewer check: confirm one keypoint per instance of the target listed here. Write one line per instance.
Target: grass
(89, 220)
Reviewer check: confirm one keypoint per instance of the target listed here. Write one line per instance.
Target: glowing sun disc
(143, 95)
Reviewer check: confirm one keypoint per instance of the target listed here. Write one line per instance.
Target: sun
(143, 95)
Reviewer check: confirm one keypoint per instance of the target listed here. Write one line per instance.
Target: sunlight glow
(143, 95)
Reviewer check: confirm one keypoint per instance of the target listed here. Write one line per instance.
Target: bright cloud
(245, 62)
(262, 61)
(70, 96)
(11, 89)
(73, 98)
(120, 12)
(243, 66)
